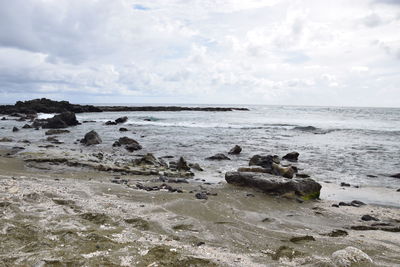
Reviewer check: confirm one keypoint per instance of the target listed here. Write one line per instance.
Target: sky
(272, 52)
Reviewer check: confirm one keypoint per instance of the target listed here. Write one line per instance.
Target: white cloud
(264, 52)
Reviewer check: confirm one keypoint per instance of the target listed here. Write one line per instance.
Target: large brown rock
(305, 188)
(91, 138)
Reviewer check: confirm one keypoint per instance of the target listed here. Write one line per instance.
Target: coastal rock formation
(62, 120)
(292, 156)
(235, 150)
(304, 188)
(218, 156)
(91, 138)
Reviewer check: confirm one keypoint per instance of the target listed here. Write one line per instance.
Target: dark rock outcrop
(122, 119)
(235, 150)
(369, 218)
(62, 120)
(26, 126)
(292, 156)
(130, 144)
(91, 138)
(15, 129)
(218, 156)
(397, 175)
(304, 188)
(263, 161)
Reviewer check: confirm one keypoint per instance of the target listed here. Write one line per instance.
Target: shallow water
(346, 145)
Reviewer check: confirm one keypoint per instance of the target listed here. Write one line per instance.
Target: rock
(218, 156)
(252, 169)
(337, 233)
(116, 143)
(305, 188)
(302, 175)
(299, 239)
(201, 195)
(397, 175)
(344, 204)
(148, 159)
(369, 218)
(56, 131)
(182, 165)
(286, 252)
(196, 166)
(371, 176)
(122, 120)
(398, 190)
(235, 150)
(357, 203)
(127, 141)
(26, 126)
(344, 184)
(110, 123)
(263, 161)
(5, 139)
(4, 119)
(39, 123)
(91, 138)
(133, 147)
(62, 120)
(15, 129)
(130, 144)
(287, 172)
(122, 129)
(292, 156)
(350, 256)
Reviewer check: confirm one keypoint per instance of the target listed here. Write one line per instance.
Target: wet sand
(78, 217)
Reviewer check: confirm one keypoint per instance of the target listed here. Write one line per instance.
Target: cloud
(226, 51)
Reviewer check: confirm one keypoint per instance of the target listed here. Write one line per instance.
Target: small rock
(344, 184)
(350, 256)
(369, 218)
(357, 203)
(110, 123)
(116, 143)
(91, 138)
(122, 129)
(26, 126)
(218, 156)
(250, 195)
(299, 239)
(182, 165)
(201, 195)
(302, 175)
(397, 175)
(292, 156)
(15, 129)
(235, 150)
(122, 119)
(56, 131)
(263, 161)
(344, 204)
(335, 205)
(337, 233)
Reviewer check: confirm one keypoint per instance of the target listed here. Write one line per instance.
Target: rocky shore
(97, 201)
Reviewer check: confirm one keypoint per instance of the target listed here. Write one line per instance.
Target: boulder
(110, 123)
(62, 120)
(304, 188)
(263, 161)
(122, 129)
(15, 129)
(235, 150)
(127, 141)
(351, 256)
(56, 131)
(130, 144)
(91, 138)
(121, 120)
(218, 156)
(26, 126)
(182, 165)
(292, 156)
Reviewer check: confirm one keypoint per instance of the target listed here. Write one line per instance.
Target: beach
(67, 203)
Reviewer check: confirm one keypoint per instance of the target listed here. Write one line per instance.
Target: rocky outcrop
(91, 138)
(218, 156)
(304, 188)
(122, 119)
(62, 120)
(292, 156)
(235, 150)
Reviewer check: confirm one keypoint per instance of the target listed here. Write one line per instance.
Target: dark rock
(122, 119)
(292, 156)
(196, 166)
(91, 138)
(300, 239)
(305, 188)
(250, 195)
(26, 126)
(344, 204)
(148, 159)
(56, 131)
(398, 190)
(344, 184)
(200, 243)
(4, 118)
(62, 120)
(369, 218)
(133, 147)
(122, 129)
(182, 165)
(15, 129)
(235, 150)
(39, 123)
(337, 233)
(263, 161)
(201, 195)
(287, 172)
(357, 203)
(218, 156)
(371, 176)
(302, 175)
(397, 175)
(119, 181)
(335, 205)
(116, 143)
(110, 123)
(127, 141)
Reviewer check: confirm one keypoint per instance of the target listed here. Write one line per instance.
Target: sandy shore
(79, 217)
